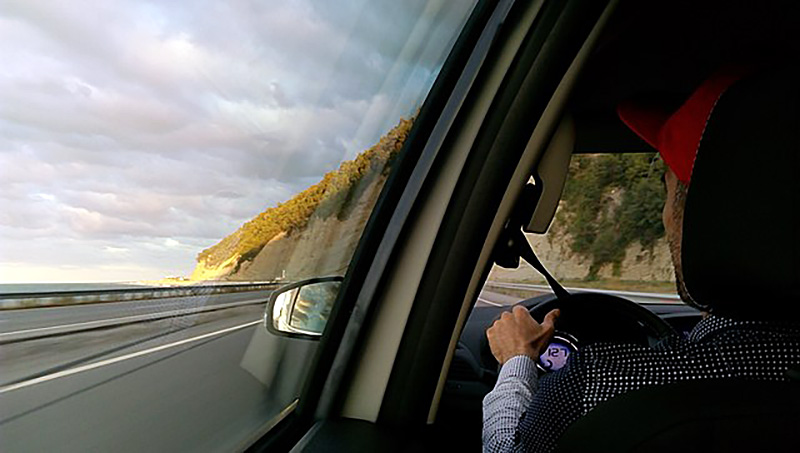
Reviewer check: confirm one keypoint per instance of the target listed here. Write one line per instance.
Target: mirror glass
(313, 305)
(304, 309)
(282, 310)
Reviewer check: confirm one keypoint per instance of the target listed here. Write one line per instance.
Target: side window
(165, 168)
(607, 234)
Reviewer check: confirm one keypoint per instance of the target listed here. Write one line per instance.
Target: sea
(15, 288)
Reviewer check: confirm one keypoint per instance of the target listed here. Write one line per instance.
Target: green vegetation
(336, 194)
(615, 285)
(609, 202)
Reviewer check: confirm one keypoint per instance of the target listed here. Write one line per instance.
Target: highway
(42, 341)
(36, 322)
(536, 290)
(198, 373)
(203, 381)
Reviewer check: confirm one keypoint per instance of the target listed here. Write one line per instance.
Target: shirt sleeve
(557, 404)
(505, 405)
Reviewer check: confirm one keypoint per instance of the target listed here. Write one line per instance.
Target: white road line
(630, 294)
(480, 299)
(123, 320)
(121, 358)
(95, 323)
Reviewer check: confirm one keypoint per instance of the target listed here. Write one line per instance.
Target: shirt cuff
(519, 367)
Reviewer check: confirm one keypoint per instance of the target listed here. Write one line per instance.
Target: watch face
(555, 356)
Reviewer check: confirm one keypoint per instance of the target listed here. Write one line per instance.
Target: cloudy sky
(134, 134)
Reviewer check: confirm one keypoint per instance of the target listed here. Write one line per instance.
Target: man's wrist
(530, 353)
(520, 367)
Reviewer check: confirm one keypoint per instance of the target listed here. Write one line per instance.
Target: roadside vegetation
(335, 195)
(611, 201)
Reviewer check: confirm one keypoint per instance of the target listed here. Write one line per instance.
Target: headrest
(741, 229)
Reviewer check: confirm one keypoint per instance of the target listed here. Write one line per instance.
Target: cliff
(315, 232)
(652, 264)
(608, 225)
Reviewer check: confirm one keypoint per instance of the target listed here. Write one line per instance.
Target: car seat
(741, 258)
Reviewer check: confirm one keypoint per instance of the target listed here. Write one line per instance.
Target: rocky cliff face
(324, 247)
(316, 231)
(638, 265)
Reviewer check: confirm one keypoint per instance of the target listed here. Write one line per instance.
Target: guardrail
(61, 329)
(10, 301)
(632, 295)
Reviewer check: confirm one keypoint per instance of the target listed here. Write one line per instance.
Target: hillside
(608, 225)
(611, 207)
(344, 196)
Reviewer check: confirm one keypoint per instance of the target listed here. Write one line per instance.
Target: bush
(609, 202)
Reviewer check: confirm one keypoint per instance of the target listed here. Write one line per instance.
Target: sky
(134, 134)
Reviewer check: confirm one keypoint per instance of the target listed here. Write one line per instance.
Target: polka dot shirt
(525, 414)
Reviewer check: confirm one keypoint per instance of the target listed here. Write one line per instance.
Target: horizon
(137, 136)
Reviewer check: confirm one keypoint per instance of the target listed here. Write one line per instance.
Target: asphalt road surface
(205, 382)
(12, 321)
(200, 382)
(492, 299)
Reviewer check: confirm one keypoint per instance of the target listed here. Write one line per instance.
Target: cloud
(133, 130)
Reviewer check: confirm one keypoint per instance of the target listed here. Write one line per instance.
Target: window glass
(164, 167)
(607, 234)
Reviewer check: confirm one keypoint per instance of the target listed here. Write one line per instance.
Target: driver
(523, 413)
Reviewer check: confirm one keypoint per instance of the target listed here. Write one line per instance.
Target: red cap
(676, 135)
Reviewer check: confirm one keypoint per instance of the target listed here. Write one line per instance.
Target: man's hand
(517, 333)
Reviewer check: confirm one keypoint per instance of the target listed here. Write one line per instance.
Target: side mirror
(302, 309)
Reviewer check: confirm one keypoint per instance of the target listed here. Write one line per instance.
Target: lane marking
(108, 322)
(649, 296)
(480, 299)
(95, 323)
(121, 358)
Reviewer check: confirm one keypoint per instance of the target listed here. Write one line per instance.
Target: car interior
(670, 57)
(537, 83)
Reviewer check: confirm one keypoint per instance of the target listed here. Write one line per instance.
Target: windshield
(607, 235)
(164, 168)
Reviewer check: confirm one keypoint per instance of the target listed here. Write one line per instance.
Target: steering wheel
(596, 317)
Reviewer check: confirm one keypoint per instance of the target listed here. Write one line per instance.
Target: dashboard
(473, 370)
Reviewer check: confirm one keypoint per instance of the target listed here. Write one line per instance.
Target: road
(493, 299)
(35, 322)
(205, 381)
(530, 290)
(48, 348)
